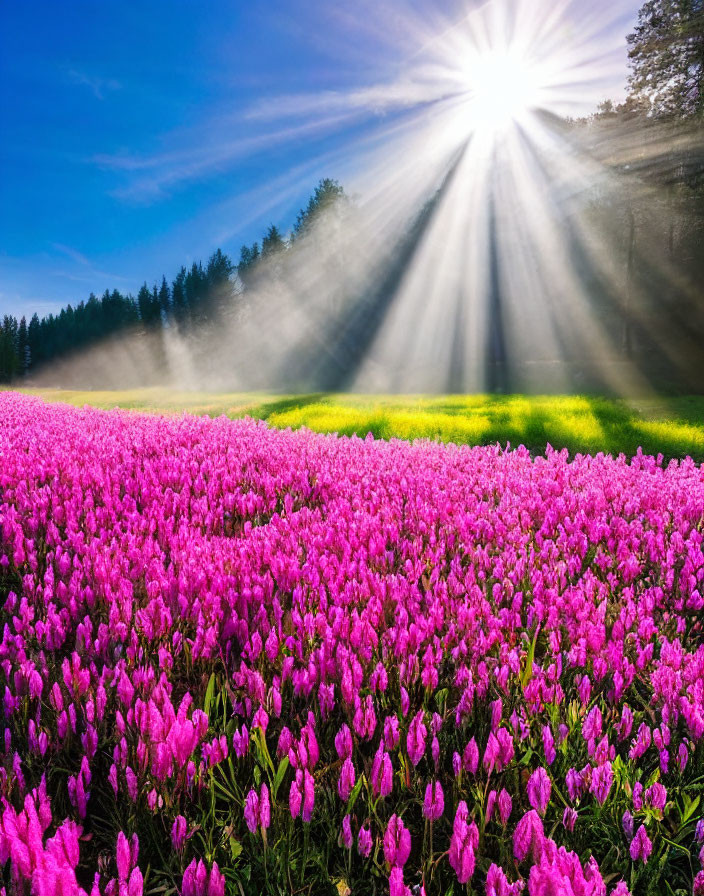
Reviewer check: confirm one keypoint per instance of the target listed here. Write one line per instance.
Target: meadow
(671, 425)
(236, 659)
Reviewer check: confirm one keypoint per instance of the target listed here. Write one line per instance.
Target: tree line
(191, 298)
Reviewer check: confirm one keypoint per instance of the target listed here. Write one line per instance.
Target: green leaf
(441, 697)
(263, 751)
(527, 756)
(279, 777)
(235, 848)
(690, 807)
(676, 845)
(355, 793)
(530, 656)
(210, 690)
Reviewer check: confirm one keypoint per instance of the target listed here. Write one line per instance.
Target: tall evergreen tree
(196, 286)
(219, 269)
(23, 355)
(248, 260)
(144, 301)
(272, 242)
(328, 195)
(155, 305)
(178, 293)
(666, 53)
(9, 360)
(34, 339)
(164, 297)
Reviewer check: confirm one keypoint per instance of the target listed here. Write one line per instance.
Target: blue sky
(137, 136)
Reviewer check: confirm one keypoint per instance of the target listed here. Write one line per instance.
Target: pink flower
(405, 702)
(123, 857)
(569, 818)
(505, 805)
(434, 803)
(539, 788)
(627, 824)
(264, 807)
(295, 797)
(364, 842)
(656, 797)
(575, 784)
(637, 796)
(491, 753)
(463, 843)
(592, 725)
(346, 780)
(251, 811)
(497, 883)
(549, 745)
(308, 796)
(529, 837)
(490, 803)
(343, 742)
(396, 884)
(382, 773)
(135, 885)
(470, 757)
(178, 833)
(602, 779)
(641, 847)
(347, 838)
(415, 742)
(392, 734)
(506, 748)
(626, 724)
(397, 842)
(198, 881)
(622, 890)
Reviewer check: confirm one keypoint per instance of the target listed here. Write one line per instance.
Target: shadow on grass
(283, 405)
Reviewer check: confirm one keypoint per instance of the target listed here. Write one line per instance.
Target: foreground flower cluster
(235, 659)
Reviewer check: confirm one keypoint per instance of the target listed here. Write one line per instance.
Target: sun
(503, 87)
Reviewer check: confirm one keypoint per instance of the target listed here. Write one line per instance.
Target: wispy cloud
(99, 87)
(87, 271)
(73, 254)
(151, 177)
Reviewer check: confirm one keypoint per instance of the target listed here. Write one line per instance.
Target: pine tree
(33, 340)
(666, 53)
(248, 260)
(178, 294)
(219, 269)
(164, 297)
(196, 286)
(328, 195)
(155, 307)
(144, 301)
(272, 242)
(23, 356)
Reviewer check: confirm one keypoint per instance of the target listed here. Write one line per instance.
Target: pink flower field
(241, 660)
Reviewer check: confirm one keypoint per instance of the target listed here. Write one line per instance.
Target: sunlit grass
(586, 424)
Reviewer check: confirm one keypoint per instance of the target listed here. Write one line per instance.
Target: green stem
(306, 836)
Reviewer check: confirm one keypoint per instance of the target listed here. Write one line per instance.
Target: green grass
(671, 426)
